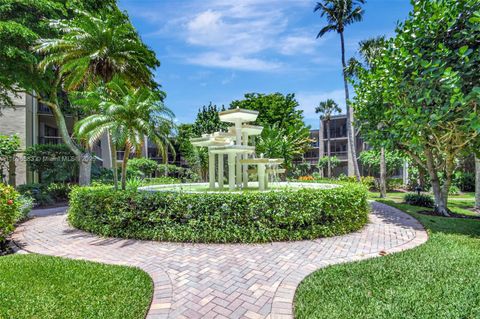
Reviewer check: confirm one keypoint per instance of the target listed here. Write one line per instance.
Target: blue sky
(218, 50)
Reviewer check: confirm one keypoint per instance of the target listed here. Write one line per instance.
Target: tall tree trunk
(126, 154)
(84, 158)
(383, 174)
(85, 169)
(477, 182)
(329, 164)
(440, 193)
(113, 156)
(350, 130)
(320, 169)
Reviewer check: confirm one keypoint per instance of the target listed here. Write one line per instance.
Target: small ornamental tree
(422, 94)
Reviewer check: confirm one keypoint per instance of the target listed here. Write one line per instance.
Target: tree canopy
(274, 109)
(208, 121)
(421, 95)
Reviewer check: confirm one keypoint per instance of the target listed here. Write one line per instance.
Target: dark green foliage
(465, 181)
(220, 217)
(36, 286)
(208, 121)
(422, 200)
(274, 109)
(53, 162)
(46, 194)
(287, 143)
(285, 134)
(146, 166)
(394, 183)
(371, 161)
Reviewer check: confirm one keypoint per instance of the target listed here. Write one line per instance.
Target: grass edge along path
(38, 286)
(439, 279)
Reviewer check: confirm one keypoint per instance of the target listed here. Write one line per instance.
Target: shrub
(146, 166)
(134, 183)
(464, 181)
(52, 162)
(219, 217)
(306, 178)
(423, 200)
(394, 183)
(453, 190)
(46, 194)
(367, 181)
(9, 211)
(38, 192)
(26, 205)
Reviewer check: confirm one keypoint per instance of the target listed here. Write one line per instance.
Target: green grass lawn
(36, 286)
(440, 279)
(459, 204)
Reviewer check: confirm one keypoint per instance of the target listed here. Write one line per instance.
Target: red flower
(10, 202)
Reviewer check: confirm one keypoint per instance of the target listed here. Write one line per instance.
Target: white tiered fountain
(235, 145)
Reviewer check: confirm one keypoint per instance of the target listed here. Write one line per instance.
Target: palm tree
(339, 14)
(129, 114)
(92, 49)
(326, 109)
(98, 47)
(287, 143)
(371, 49)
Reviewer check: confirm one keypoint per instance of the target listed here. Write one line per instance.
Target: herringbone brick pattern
(224, 281)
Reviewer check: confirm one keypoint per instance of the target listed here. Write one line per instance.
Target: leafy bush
(134, 183)
(220, 217)
(464, 181)
(9, 211)
(46, 194)
(423, 200)
(26, 205)
(52, 162)
(169, 170)
(367, 181)
(394, 183)
(454, 190)
(146, 166)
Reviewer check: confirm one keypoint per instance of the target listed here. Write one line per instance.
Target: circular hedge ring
(222, 217)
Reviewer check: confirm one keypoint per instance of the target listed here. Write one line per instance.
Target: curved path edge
(283, 308)
(222, 280)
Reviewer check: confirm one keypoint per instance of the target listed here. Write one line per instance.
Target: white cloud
(218, 60)
(236, 35)
(308, 101)
(294, 44)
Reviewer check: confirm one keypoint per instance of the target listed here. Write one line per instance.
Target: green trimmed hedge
(219, 217)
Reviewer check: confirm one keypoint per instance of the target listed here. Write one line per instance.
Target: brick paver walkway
(223, 281)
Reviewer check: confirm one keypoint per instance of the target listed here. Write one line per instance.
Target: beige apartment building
(34, 123)
(338, 145)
